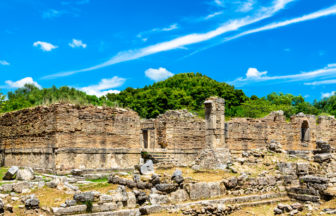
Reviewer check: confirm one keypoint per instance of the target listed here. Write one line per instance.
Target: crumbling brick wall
(33, 137)
(247, 133)
(180, 130)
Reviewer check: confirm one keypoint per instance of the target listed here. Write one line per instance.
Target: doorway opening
(305, 135)
(145, 139)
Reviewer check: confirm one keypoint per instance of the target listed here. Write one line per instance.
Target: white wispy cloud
(45, 46)
(104, 86)
(220, 3)
(51, 13)
(246, 6)
(158, 74)
(213, 15)
(4, 62)
(306, 96)
(328, 94)
(254, 76)
(77, 43)
(20, 83)
(324, 82)
(171, 27)
(83, 2)
(325, 12)
(182, 41)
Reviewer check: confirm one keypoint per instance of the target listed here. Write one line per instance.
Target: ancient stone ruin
(259, 161)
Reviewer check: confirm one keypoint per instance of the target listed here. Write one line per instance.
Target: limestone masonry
(60, 138)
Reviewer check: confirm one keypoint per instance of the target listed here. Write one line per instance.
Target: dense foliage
(30, 95)
(182, 91)
(187, 90)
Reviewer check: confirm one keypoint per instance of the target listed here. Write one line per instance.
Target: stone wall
(179, 130)
(64, 137)
(300, 133)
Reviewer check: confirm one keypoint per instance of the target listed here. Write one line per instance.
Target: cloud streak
(258, 77)
(44, 46)
(325, 12)
(4, 62)
(182, 41)
(77, 43)
(104, 84)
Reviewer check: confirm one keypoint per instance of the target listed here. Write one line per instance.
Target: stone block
(179, 196)
(302, 169)
(106, 207)
(167, 188)
(24, 175)
(7, 187)
(262, 181)
(78, 209)
(76, 172)
(147, 168)
(314, 179)
(10, 173)
(131, 200)
(157, 199)
(106, 198)
(322, 157)
(18, 187)
(215, 189)
(198, 191)
(83, 197)
(287, 168)
(147, 210)
(271, 180)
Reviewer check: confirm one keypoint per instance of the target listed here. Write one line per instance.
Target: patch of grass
(101, 187)
(101, 180)
(3, 172)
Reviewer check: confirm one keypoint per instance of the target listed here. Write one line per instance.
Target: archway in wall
(305, 133)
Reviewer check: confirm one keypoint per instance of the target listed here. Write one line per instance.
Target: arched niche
(305, 133)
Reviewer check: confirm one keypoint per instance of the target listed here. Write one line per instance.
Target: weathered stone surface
(178, 196)
(314, 179)
(165, 187)
(136, 178)
(83, 197)
(53, 183)
(147, 210)
(70, 203)
(32, 203)
(213, 159)
(11, 173)
(157, 199)
(131, 200)
(106, 198)
(177, 173)
(24, 175)
(271, 180)
(198, 191)
(41, 184)
(178, 179)
(302, 169)
(147, 168)
(322, 157)
(76, 172)
(262, 181)
(7, 187)
(304, 197)
(1, 204)
(287, 168)
(18, 187)
(106, 207)
(231, 182)
(78, 209)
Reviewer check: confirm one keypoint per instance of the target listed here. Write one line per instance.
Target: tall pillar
(214, 122)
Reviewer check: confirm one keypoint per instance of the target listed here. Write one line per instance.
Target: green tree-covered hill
(182, 91)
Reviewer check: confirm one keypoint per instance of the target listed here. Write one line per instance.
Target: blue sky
(97, 46)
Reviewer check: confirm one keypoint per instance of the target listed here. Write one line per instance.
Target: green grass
(101, 180)
(3, 172)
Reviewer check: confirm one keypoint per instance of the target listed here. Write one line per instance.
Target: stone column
(214, 122)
